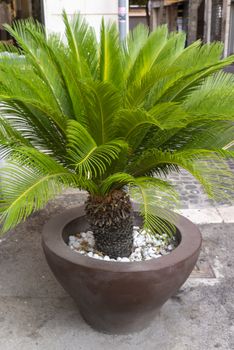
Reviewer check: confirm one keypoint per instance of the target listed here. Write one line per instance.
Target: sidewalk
(36, 314)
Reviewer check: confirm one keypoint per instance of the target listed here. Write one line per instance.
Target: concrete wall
(92, 10)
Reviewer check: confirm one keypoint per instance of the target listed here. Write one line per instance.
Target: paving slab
(203, 215)
(36, 313)
(227, 213)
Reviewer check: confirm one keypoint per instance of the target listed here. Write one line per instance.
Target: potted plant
(112, 118)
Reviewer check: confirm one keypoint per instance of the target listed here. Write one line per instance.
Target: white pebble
(76, 244)
(135, 233)
(135, 257)
(96, 256)
(146, 245)
(106, 257)
(155, 256)
(124, 259)
(139, 241)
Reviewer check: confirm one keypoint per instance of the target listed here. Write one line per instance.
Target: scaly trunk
(111, 220)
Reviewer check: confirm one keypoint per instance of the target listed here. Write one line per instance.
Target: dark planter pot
(117, 297)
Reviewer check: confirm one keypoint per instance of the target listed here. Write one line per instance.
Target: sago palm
(112, 118)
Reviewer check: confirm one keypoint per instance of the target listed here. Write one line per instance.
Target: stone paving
(191, 192)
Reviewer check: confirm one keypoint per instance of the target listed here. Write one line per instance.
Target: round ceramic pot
(118, 297)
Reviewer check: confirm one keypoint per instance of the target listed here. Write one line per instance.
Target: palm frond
(82, 44)
(34, 127)
(110, 55)
(101, 102)
(202, 135)
(154, 197)
(148, 54)
(28, 182)
(207, 166)
(30, 35)
(88, 158)
(132, 46)
(213, 100)
(132, 125)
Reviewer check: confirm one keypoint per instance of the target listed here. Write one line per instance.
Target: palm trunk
(111, 220)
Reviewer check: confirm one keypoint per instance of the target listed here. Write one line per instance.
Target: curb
(212, 215)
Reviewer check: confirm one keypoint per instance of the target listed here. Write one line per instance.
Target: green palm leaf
(88, 158)
(102, 102)
(110, 57)
(29, 182)
(148, 54)
(207, 166)
(82, 44)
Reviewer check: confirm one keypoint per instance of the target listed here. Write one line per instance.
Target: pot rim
(52, 240)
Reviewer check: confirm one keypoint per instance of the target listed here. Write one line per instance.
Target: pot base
(117, 297)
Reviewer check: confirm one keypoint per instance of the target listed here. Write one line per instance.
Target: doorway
(11, 10)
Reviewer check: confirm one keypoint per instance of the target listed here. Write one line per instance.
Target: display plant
(113, 118)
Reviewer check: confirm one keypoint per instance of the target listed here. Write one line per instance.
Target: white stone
(106, 257)
(149, 239)
(76, 244)
(155, 256)
(96, 256)
(136, 256)
(151, 250)
(138, 250)
(146, 246)
(125, 259)
(140, 241)
(158, 243)
(135, 233)
(90, 241)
